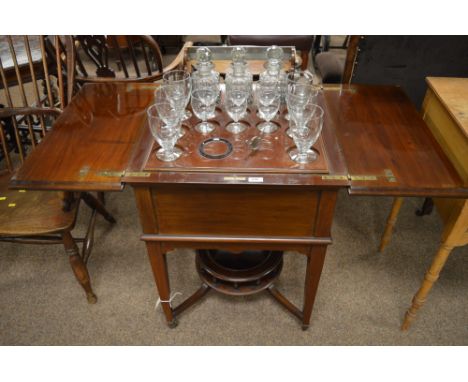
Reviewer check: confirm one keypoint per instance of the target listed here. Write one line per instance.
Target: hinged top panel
(388, 148)
(91, 142)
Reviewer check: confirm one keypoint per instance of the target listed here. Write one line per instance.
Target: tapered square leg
(315, 260)
(161, 277)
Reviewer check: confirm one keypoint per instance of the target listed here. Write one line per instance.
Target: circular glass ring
(206, 143)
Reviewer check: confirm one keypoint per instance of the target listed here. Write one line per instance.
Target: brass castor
(173, 323)
(91, 297)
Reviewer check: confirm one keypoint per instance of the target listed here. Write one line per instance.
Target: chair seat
(30, 213)
(330, 66)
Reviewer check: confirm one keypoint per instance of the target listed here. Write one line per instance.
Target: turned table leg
(159, 266)
(455, 234)
(315, 260)
(397, 202)
(431, 276)
(78, 266)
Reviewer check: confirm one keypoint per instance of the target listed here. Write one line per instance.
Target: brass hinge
(110, 174)
(335, 177)
(137, 174)
(388, 174)
(340, 88)
(363, 177)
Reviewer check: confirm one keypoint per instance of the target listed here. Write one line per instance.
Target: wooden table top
(383, 137)
(375, 142)
(453, 93)
(91, 142)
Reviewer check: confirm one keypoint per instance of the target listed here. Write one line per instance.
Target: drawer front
(249, 211)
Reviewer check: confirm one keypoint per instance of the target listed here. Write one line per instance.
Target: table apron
(238, 239)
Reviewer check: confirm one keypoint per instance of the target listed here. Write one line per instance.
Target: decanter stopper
(275, 54)
(238, 55)
(203, 55)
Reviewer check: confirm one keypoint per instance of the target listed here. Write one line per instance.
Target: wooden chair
(120, 59)
(41, 217)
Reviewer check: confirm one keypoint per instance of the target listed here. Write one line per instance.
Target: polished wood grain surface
(91, 141)
(374, 139)
(235, 210)
(388, 148)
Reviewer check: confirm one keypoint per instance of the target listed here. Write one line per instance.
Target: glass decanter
(239, 74)
(273, 70)
(205, 75)
(204, 69)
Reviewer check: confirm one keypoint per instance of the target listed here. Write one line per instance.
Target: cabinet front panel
(213, 210)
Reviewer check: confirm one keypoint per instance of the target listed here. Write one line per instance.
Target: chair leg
(397, 202)
(101, 197)
(78, 266)
(97, 205)
(426, 208)
(429, 279)
(89, 238)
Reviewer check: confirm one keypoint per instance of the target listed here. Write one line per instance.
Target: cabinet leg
(429, 279)
(159, 267)
(315, 260)
(78, 266)
(397, 202)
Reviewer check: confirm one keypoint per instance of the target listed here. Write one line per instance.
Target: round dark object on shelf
(242, 273)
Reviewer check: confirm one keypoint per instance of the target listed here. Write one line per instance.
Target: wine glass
(235, 103)
(203, 105)
(208, 81)
(166, 135)
(301, 106)
(295, 81)
(179, 85)
(305, 136)
(268, 103)
(170, 115)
